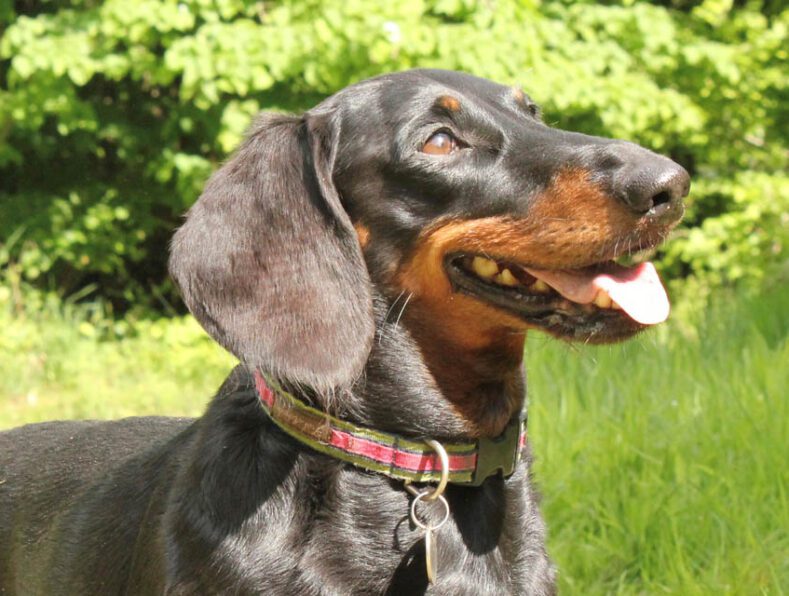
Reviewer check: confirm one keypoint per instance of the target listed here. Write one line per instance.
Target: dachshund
(375, 264)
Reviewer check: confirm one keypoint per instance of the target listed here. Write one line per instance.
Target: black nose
(650, 184)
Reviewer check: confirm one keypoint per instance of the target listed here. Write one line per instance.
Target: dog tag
(430, 554)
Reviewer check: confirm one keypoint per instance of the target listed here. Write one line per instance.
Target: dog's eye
(440, 143)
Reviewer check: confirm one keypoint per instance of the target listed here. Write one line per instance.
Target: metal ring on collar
(426, 495)
(431, 494)
(442, 483)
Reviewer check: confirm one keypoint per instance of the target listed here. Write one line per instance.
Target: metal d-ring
(444, 458)
(434, 493)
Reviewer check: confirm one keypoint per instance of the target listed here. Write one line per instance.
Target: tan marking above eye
(440, 143)
(449, 103)
(520, 99)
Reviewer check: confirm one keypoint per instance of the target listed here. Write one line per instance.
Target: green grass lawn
(662, 462)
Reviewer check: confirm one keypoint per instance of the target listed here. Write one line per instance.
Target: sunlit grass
(662, 461)
(54, 364)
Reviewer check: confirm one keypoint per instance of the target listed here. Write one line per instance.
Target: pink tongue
(638, 290)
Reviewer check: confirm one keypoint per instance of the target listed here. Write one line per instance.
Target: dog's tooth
(615, 306)
(506, 278)
(602, 300)
(540, 286)
(484, 267)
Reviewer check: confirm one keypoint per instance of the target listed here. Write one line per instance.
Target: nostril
(661, 198)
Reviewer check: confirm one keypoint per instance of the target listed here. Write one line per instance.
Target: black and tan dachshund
(379, 260)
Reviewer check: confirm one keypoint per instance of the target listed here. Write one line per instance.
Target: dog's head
(438, 186)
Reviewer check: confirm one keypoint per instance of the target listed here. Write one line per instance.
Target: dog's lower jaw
(472, 349)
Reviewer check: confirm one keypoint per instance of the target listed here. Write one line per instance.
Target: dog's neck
(483, 382)
(444, 389)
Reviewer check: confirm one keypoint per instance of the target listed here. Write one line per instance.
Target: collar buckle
(501, 453)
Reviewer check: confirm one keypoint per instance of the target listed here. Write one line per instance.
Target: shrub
(112, 114)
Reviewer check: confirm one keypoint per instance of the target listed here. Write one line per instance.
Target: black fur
(269, 262)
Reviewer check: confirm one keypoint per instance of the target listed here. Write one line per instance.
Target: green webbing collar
(470, 463)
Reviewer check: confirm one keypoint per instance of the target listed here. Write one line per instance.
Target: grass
(662, 461)
(55, 362)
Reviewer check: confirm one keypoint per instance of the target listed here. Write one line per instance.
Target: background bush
(112, 114)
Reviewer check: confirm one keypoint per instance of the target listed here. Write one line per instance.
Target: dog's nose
(651, 185)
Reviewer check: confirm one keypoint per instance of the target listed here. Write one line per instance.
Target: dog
(375, 265)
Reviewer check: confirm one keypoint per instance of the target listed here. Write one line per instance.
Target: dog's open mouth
(602, 302)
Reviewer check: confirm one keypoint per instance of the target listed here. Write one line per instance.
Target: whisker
(381, 330)
(402, 310)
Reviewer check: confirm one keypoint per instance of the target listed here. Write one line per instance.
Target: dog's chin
(537, 304)
(597, 327)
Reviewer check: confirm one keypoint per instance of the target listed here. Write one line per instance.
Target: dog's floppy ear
(268, 260)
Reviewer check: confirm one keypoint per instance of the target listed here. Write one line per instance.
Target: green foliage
(113, 113)
(752, 228)
(662, 461)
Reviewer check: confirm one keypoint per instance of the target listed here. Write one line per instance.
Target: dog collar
(470, 463)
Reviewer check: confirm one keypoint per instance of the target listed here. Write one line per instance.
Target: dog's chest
(355, 537)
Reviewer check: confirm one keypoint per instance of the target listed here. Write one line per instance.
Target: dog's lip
(579, 295)
(548, 311)
(513, 297)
